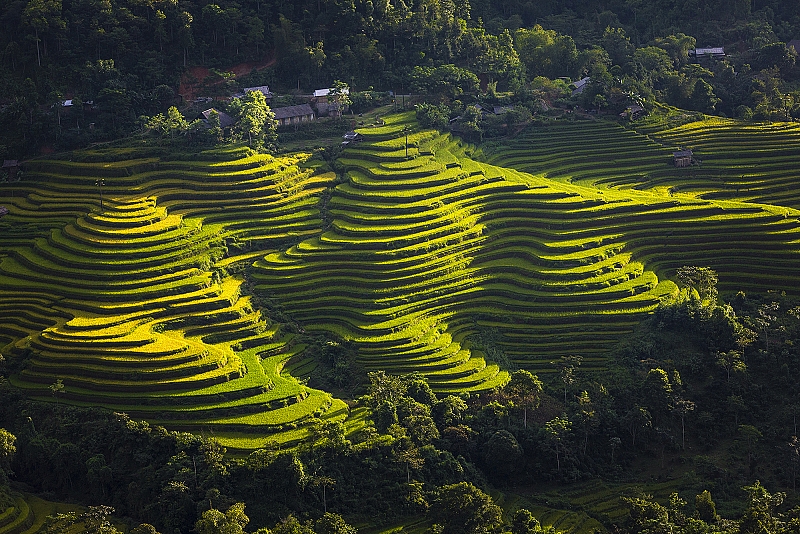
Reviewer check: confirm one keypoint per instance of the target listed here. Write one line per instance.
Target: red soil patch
(192, 80)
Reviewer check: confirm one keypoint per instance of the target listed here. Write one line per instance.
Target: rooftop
(264, 89)
(293, 111)
(714, 51)
(325, 92)
(225, 120)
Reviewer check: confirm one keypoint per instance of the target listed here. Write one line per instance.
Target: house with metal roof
(708, 53)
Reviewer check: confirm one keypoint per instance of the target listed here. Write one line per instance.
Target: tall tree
(254, 119)
(232, 521)
(44, 16)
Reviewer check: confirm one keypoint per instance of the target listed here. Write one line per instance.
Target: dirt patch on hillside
(193, 80)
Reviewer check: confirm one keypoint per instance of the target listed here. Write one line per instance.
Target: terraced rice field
(26, 514)
(129, 304)
(458, 263)
(434, 262)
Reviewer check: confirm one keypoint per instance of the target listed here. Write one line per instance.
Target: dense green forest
(127, 57)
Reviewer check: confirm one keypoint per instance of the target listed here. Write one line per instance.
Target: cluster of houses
(322, 103)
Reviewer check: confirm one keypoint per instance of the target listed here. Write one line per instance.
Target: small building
(633, 112)
(708, 53)
(501, 110)
(10, 166)
(3, 211)
(352, 137)
(293, 114)
(322, 95)
(682, 158)
(225, 120)
(325, 106)
(580, 85)
(263, 89)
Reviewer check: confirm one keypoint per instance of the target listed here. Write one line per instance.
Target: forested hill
(127, 57)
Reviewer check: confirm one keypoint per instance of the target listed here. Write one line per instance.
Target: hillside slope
(116, 271)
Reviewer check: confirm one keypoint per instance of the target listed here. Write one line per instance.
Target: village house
(325, 106)
(633, 111)
(293, 114)
(682, 158)
(580, 85)
(707, 53)
(225, 120)
(351, 137)
(10, 167)
(263, 89)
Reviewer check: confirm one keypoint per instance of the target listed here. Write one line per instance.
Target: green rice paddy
(460, 263)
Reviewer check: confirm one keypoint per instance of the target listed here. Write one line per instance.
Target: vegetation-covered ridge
(115, 289)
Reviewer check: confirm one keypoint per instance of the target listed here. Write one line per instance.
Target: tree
(703, 97)
(658, 392)
(587, 416)
(524, 522)
(433, 116)
(705, 507)
(339, 97)
(557, 430)
(793, 448)
(333, 524)
(637, 419)
(411, 458)
(56, 388)
(290, 525)
(760, 516)
(618, 45)
(751, 436)
(464, 509)
(448, 411)
(7, 450)
(446, 81)
(614, 443)
(214, 521)
(677, 47)
(647, 516)
(546, 52)
(702, 279)
(43, 16)
(324, 482)
(176, 123)
(503, 454)
(683, 407)
(525, 390)
(254, 119)
(731, 362)
(567, 365)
